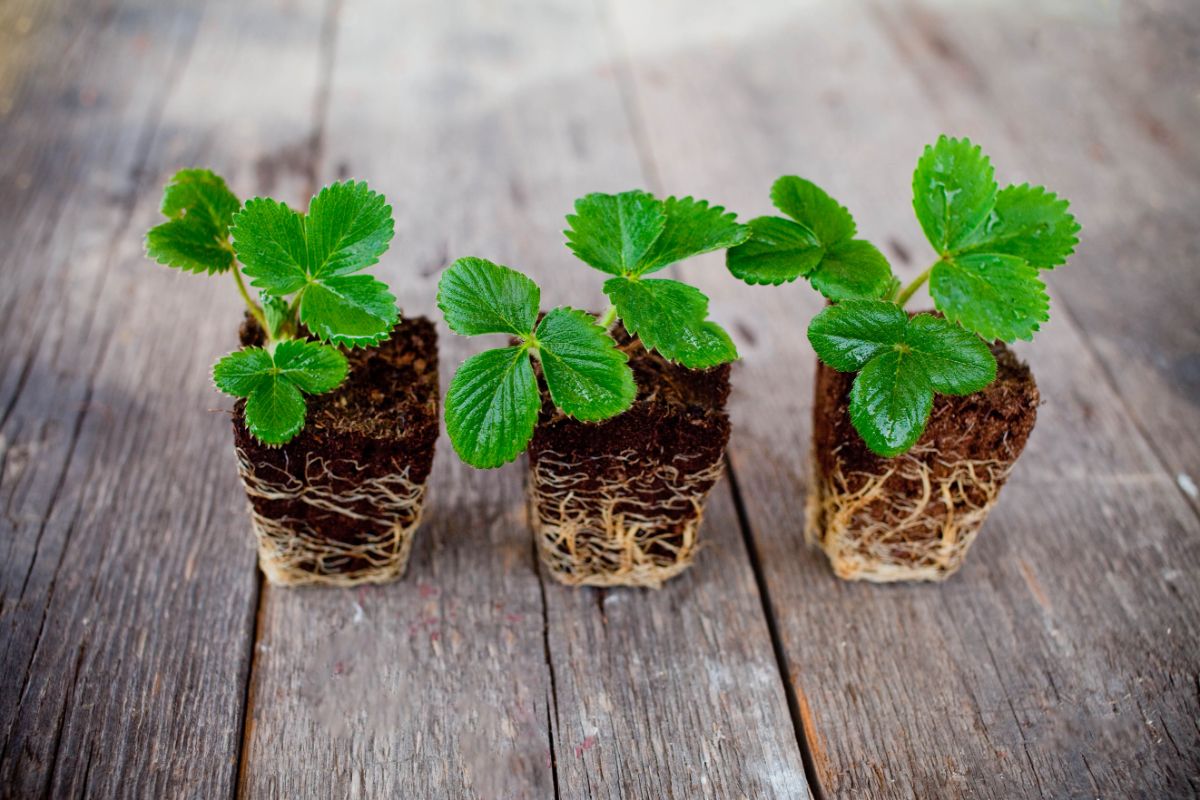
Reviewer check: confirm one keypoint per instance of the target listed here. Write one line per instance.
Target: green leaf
(1028, 222)
(272, 382)
(587, 375)
(269, 238)
(996, 296)
(817, 245)
(954, 190)
(693, 228)
(276, 311)
(313, 367)
(196, 239)
(778, 251)
(477, 296)
(809, 205)
(852, 269)
(242, 370)
(349, 310)
(955, 360)
(614, 232)
(670, 317)
(275, 411)
(492, 407)
(901, 363)
(347, 229)
(848, 335)
(890, 403)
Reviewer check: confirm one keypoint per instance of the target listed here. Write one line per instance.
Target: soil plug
(623, 414)
(336, 417)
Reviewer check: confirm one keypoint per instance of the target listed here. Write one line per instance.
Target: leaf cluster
(634, 234)
(308, 267)
(493, 403)
(991, 244)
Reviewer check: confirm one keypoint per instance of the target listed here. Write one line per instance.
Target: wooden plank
(128, 582)
(675, 693)
(1061, 661)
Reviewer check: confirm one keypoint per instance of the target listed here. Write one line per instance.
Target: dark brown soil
(381, 421)
(678, 419)
(992, 424)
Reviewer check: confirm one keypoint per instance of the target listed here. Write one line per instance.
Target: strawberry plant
(313, 296)
(493, 402)
(991, 245)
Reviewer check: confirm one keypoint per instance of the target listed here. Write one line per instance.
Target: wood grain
(681, 696)
(128, 579)
(1061, 662)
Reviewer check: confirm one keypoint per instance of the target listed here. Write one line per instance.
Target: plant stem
(911, 289)
(606, 319)
(250, 304)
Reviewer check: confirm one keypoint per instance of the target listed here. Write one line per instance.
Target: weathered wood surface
(475, 669)
(127, 605)
(140, 656)
(1063, 661)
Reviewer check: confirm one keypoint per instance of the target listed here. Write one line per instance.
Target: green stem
(911, 289)
(250, 304)
(606, 319)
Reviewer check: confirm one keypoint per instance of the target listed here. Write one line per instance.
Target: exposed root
(874, 527)
(375, 518)
(617, 520)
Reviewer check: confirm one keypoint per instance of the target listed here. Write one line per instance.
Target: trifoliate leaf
(1028, 222)
(809, 205)
(633, 233)
(954, 190)
(852, 269)
(956, 360)
(272, 382)
(477, 296)
(241, 371)
(900, 362)
(587, 375)
(276, 312)
(275, 411)
(848, 335)
(315, 368)
(996, 296)
(778, 251)
(693, 228)
(890, 403)
(671, 318)
(196, 239)
(275, 408)
(347, 229)
(817, 244)
(614, 232)
(492, 407)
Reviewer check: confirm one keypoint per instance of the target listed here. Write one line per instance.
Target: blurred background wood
(143, 657)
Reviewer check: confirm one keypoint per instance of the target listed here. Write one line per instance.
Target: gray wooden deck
(142, 656)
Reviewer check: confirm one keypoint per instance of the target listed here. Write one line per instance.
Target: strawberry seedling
(313, 296)
(493, 402)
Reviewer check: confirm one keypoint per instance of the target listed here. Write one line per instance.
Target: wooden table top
(144, 657)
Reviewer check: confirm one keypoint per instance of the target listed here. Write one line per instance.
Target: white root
(608, 534)
(291, 553)
(871, 531)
